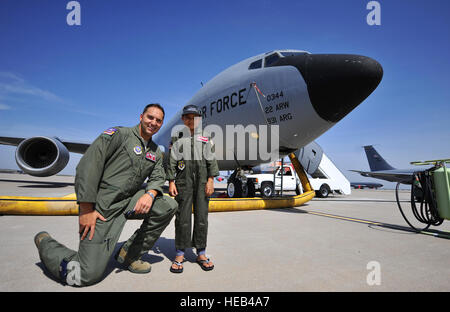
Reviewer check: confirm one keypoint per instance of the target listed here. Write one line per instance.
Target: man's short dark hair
(157, 105)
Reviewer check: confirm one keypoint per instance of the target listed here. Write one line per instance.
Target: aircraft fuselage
(257, 93)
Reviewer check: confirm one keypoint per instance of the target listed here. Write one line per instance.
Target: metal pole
(282, 174)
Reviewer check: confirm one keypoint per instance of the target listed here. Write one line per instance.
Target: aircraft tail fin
(376, 161)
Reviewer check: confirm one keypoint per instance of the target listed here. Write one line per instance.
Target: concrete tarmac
(358, 242)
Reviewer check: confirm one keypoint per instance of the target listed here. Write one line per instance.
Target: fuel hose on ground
(422, 192)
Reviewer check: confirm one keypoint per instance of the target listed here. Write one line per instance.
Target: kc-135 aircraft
(381, 169)
(304, 94)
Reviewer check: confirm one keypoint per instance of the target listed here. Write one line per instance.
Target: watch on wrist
(151, 195)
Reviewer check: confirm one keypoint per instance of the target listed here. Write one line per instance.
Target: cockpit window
(271, 59)
(256, 64)
(291, 53)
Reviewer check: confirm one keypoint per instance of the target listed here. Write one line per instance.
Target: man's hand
(173, 189)
(144, 203)
(87, 219)
(209, 187)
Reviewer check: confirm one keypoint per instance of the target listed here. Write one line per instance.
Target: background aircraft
(304, 94)
(361, 185)
(380, 169)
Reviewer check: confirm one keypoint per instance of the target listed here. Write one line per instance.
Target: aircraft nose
(337, 83)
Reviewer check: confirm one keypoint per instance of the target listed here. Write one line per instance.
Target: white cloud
(4, 107)
(11, 76)
(13, 85)
(16, 91)
(24, 89)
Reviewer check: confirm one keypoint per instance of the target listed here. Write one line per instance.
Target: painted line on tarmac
(435, 233)
(362, 200)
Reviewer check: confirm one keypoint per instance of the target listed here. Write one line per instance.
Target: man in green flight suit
(191, 171)
(108, 185)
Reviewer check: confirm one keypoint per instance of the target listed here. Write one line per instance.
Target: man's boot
(137, 266)
(39, 237)
(140, 267)
(121, 255)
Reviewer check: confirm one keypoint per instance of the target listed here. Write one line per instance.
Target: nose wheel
(231, 189)
(239, 186)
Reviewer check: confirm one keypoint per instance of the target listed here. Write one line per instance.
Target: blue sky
(75, 81)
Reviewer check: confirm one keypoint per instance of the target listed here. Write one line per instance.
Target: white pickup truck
(326, 180)
(264, 181)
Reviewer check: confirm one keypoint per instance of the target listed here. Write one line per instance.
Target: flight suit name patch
(202, 139)
(150, 156)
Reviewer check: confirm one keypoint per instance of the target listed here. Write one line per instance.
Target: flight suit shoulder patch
(110, 131)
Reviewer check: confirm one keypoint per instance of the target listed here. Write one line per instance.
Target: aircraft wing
(10, 141)
(402, 176)
(74, 147)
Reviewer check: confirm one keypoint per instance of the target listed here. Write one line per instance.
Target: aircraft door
(289, 182)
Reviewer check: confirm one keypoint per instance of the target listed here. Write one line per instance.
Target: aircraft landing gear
(239, 186)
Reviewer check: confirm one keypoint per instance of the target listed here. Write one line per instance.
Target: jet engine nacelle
(42, 156)
(310, 156)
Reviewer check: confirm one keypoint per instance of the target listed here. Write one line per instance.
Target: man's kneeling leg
(154, 223)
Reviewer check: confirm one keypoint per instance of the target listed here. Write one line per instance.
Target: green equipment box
(441, 178)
